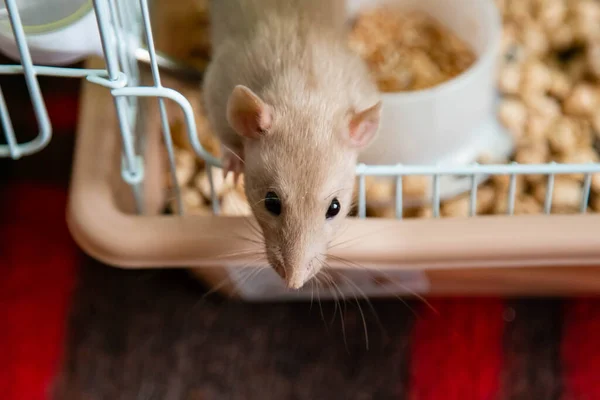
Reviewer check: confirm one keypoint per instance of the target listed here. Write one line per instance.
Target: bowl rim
(493, 22)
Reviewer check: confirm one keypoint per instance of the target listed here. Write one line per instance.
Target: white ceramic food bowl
(454, 122)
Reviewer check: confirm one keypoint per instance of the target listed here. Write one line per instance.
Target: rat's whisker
(237, 236)
(258, 202)
(332, 290)
(361, 314)
(257, 241)
(320, 305)
(234, 153)
(336, 192)
(222, 283)
(226, 280)
(377, 232)
(336, 288)
(333, 293)
(254, 271)
(254, 228)
(312, 293)
(366, 298)
(253, 275)
(399, 285)
(335, 298)
(341, 233)
(240, 253)
(342, 318)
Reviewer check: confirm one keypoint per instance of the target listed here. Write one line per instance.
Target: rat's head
(299, 175)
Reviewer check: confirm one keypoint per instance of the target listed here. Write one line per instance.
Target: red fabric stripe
(38, 260)
(581, 349)
(457, 352)
(62, 110)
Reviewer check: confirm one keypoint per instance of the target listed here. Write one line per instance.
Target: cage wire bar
(123, 25)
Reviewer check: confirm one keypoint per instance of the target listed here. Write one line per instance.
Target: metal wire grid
(122, 25)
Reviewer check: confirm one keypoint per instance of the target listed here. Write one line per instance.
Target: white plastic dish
(57, 32)
(454, 122)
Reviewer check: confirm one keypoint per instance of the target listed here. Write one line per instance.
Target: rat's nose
(297, 264)
(296, 275)
(295, 281)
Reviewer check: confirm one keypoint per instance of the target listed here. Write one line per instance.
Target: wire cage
(125, 147)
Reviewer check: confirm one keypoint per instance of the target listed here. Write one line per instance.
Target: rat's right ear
(363, 126)
(247, 114)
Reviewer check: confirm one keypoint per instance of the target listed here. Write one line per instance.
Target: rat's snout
(299, 263)
(296, 276)
(296, 273)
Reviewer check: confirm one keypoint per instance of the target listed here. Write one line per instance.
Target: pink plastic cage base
(528, 255)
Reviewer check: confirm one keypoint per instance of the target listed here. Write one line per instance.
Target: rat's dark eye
(272, 203)
(334, 209)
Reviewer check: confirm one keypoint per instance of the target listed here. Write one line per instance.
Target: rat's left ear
(247, 114)
(363, 126)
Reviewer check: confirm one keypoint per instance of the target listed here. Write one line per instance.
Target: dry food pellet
(527, 204)
(425, 212)
(535, 39)
(587, 14)
(562, 137)
(513, 114)
(595, 202)
(593, 58)
(582, 101)
(221, 184)
(596, 183)
(378, 190)
(552, 14)
(203, 210)
(567, 193)
(509, 81)
(577, 68)
(234, 204)
(415, 186)
(185, 166)
(191, 198)
(524, 204)
(595, 123)
(537, 127)
(584, 155)
(502, 183)
(511, 50)
(531, 152)
(537, 78)
(562, 37)
(461, 205)
(542, 104)
(561, 85)
(381, 212)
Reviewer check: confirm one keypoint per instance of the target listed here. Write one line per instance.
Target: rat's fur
(292, 54)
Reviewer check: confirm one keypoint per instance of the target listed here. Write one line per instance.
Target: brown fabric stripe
(532, 368)
(148, 334)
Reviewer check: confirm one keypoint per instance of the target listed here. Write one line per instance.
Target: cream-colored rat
(292, 106)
